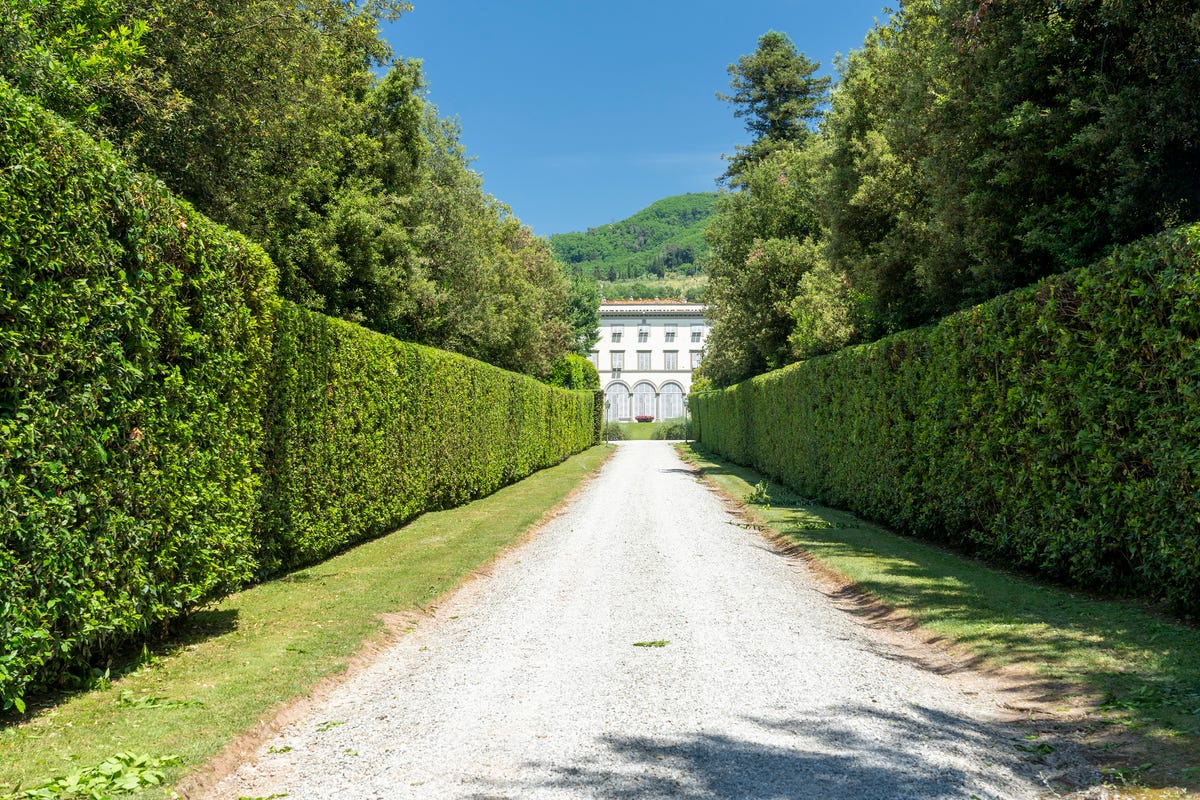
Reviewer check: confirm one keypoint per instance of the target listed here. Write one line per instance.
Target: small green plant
(122, 773)
(1038, 749)
(1127, 776)
(613, 432)
(333, 723)
(653, 643)
(127, 699)
(758, 496)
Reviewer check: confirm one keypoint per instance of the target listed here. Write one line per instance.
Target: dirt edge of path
(200, 783)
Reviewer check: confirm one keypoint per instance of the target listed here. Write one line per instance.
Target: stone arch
(645, 399)
(616, 401)
(671, 400)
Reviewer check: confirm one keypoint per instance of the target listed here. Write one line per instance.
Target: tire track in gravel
(527, 684)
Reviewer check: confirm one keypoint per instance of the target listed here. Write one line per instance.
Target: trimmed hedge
(134, 334)
(1056, 427)
(169, 431)
(365, 432)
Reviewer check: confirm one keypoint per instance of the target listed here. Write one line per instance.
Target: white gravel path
(528, 683)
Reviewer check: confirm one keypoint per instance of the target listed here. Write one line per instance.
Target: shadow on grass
(848, 753)
(193, 629)
(1142, 667)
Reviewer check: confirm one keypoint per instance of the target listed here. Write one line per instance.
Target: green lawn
(1138, 670)
(239, 659)
(639, 431)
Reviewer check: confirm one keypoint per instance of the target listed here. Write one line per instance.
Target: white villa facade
(646, 354)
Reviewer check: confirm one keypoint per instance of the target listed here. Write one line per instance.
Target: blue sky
(580, 114)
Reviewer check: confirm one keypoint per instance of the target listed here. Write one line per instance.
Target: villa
(646, 354)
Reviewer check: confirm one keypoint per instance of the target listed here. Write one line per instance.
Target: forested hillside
(293, 124)
(666, 238)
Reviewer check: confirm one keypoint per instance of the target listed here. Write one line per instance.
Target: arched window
(616, 399)
(643, 400)
(671, 401)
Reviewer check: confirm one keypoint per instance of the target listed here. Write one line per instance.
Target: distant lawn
(1138, 670)
(644, 430)
(236, 661)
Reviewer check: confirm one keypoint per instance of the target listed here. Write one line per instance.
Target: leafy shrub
(759, 496)
(365, 432)
(574, 372)
(674, 429)
(1056, 427)
(132, 352)
(613, 432)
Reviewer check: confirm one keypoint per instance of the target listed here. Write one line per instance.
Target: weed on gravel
(231, 664)
(1124, 675)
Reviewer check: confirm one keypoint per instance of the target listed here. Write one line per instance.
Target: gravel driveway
(528, 684)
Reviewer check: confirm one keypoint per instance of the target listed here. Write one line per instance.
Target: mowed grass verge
(643, 431)
(1124, 678)
(231, 664)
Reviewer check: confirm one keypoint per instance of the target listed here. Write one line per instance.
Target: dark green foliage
(292, 123)
(574, 372)
(667, 236)
(583, 310)
(677, 429)
(598, 416)
(775, 90)
(364, 432)
(978, 146)
(762, 240)
(133, 343)
(1056, 427)
(614, 432)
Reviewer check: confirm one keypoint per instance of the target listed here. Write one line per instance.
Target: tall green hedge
(134, 335)
(365, 432)
(168, 430)
(1056, 427)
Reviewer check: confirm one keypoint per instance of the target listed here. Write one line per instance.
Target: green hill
(664, 240)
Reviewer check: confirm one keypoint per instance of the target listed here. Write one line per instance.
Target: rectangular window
(697, 332)
(671, 360)
(669, 331)
(696, 355)
(643, 333)
(617, 332)
(594, 357)
(644, 360)
(618, 360)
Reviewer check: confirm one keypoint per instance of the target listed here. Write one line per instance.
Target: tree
(86, 62)
(764, 239)
(978, 146)
(775, 90)
(583, 308)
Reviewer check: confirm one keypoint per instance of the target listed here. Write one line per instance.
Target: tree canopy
(292, 123)
(969, 148)
(776, 90)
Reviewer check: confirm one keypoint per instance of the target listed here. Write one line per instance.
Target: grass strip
(643, 431)
(1136, 671)
(236, 661)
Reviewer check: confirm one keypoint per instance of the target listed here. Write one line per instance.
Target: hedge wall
(1056, 427)
(365, 432)
(154, 453)
(133, 344)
